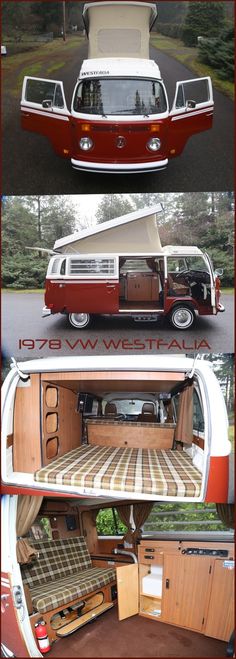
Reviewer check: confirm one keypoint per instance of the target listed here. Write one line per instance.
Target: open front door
(44, 111)
(127, 590)
(192, 112)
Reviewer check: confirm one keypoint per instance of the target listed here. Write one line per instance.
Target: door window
(37, 91)
(192, 93)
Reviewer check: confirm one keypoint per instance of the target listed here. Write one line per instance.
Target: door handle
(111, 286)
(4, 603)
(167, 584)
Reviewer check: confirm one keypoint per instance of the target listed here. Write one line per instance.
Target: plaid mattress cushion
(57, 559)
(142, 471)
(63, 591)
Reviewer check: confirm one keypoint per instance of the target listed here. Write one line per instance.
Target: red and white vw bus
(120, 268)
(120, 119)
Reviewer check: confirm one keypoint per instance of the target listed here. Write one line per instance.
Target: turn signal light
(85, 127)
(155, 128)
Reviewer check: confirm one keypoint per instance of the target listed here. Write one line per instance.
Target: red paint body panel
(64, 133)
(105, 133)
(11, 635)
(218, 480)
(90, 297)
(181, 127)
(55, 126)
(203, 309)
(18, 489)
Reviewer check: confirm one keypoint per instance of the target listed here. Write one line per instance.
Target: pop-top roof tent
(118, 235)
(119, 29)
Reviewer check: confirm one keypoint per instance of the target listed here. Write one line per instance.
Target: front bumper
(46, 312)
(220, 307)
(114, 168)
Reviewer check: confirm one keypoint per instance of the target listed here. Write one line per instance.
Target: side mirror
(219, 272)
(47, 103)
(190, 104)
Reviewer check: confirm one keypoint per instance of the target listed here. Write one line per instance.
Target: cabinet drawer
(150, 556)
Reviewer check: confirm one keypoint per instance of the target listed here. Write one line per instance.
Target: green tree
(219, 53)
(204, 19)
(112, 206)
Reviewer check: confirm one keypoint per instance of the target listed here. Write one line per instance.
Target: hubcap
(182, 318)
(79, 319)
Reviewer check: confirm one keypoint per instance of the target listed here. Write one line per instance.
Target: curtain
(94, 514)
(124, 514)
(184, 427)
(141, 512)
(27, 510)
(226, 514)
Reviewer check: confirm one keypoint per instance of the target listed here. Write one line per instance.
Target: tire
(79, 320)
(182, 317)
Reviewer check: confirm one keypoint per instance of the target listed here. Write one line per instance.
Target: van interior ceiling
(150, 443)
(72, 576)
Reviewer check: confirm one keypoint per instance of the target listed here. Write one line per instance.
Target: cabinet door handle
(150, 558)
(167, 583)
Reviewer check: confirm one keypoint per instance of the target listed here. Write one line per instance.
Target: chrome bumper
(114, 168)
(46, 312)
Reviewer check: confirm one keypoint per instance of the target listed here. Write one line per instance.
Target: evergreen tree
(205, 19)
(113, 206)
(219, 53)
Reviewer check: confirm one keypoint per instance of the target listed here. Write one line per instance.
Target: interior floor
(139, 471)
(136, 637)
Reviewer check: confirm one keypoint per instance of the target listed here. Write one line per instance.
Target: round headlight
(86, 143)
(154, 144)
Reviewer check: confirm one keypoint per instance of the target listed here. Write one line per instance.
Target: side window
(192, 92)
(198, 419)
(37, 91)
(41, 529)
(176, 264)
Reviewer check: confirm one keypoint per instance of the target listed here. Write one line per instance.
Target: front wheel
(182, 317)
(79, 320)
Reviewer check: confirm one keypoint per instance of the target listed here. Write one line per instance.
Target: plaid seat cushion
(140, 471)
(56, 559)
(62, 591)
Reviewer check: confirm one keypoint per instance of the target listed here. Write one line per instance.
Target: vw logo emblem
(120, 142)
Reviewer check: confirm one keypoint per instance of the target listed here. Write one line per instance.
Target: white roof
(182, 249)
(118, 233)
(115, 362)
(119, 67)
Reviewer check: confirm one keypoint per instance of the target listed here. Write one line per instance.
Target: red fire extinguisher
(42, 637)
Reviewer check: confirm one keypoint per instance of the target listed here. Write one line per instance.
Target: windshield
(120, 96)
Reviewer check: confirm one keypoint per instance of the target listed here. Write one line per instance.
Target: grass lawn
(23, 290)
(42, 61)
(188, 56)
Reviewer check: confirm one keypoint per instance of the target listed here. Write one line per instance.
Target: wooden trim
(108, 434)
(91, 376)
(26, 444)
(9, 440)
(199, 441)
(62, 425)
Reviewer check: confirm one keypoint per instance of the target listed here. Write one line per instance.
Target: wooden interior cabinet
(185, 590)
(220, 615)
(142, 287)
(196, 590)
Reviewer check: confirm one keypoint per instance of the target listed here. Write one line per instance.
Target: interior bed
(60, 445)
